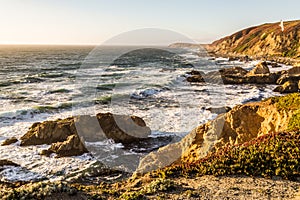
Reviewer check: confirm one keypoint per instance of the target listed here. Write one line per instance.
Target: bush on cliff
(290, 103)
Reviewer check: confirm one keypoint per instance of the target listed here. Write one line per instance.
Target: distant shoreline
(210, 51)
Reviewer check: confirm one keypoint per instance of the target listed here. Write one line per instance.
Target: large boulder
(73, 146)
(120, 128)
(270, 78)
(239, 125)
(49, 132)
(287, 87)
(287, 77)
(195, 78)
(260, 68)
(123, 128)
(233, 71)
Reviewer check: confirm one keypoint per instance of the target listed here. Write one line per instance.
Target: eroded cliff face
(262, 41)
(241, 124)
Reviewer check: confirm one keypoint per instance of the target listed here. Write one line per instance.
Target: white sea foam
(169, 105)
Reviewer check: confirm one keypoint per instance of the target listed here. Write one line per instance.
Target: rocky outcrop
(65, 135)
(120, 128)
(9, 141)
(8, 163)
(260, 74)
(288, 87)
(295, 71)
(260, 68)
(289, 81)
(239, 125)
(73, 146)
(49, 132)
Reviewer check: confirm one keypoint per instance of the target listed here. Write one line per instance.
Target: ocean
(39, 83)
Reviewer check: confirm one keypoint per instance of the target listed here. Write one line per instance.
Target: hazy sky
(95, 21)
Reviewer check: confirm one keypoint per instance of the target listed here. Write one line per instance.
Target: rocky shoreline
(246, 57)
(250, 151)
(288, 80)
(202, 165)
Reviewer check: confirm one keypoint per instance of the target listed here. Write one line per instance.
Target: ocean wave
(27, 113)
(70, 64)
(107, 99)
(145, 93)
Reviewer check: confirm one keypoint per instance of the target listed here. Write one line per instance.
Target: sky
(96, 21)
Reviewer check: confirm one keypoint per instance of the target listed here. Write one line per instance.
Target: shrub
(268, 155)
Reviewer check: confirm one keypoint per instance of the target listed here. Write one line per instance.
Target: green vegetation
(294, 123)
(289, 103)
(246, 43)
(275, 154)
(264, 36)
(156, 186)
(292, 50)
(37, 191)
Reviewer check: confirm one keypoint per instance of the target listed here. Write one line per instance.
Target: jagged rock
(8, 163)
(9, 141)
(230, 59)
(260, 68)
(245, 59)
(253, 79)
(235, 75)
(274, 64)
(262, 78)
(195, 78)
(194, 72)
(241, 124)
(287, 87)
(49, 132)
(233, 71)
(282, 79)
(73, 146)
(120, 128)
(287, 77)
(294, 71)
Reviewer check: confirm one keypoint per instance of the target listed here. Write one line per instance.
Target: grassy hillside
(263, 40)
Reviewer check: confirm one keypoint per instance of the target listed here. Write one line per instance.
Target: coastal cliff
(256, 139)
(241, 124)
(266, 40)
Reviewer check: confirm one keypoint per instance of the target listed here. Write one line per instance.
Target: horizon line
(83, 44)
